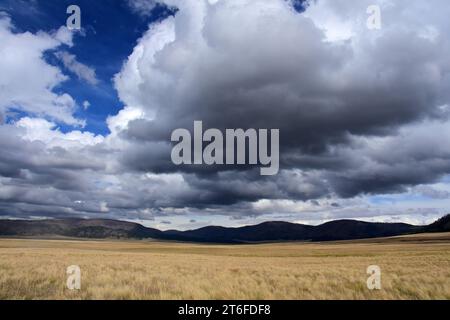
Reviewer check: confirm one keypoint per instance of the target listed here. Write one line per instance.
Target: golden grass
(412, 268)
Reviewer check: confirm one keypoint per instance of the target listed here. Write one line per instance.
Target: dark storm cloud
(242, 69)
(34, 162)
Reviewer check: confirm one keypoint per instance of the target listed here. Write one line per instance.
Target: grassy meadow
(414, 267)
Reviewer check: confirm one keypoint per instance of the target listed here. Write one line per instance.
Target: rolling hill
(264, 232)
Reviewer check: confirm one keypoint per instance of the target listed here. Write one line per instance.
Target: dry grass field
(412, 268)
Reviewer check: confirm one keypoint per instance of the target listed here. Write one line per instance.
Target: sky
(86, 115)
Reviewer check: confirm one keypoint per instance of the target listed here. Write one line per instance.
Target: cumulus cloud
(35, 154)
(27, 80)
(259, 64)
(64, 35)
(359, 113)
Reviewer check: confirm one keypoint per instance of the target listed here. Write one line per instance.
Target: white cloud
(86, 105)
(142, 7)
(27, 80)
(64, 35)
(47, 132)
(139, 68)
(82, 71)
(119, 122)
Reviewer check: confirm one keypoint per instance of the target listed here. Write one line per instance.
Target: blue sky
(106, 40)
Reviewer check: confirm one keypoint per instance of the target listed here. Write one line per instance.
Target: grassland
(412, 268)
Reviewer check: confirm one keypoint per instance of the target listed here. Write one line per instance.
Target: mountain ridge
(271, 231)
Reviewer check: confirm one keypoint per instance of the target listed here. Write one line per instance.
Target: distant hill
(264, 232)
(284, 231)
(441, 225)
(79, 228)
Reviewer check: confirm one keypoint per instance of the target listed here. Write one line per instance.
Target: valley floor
(413, 267)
